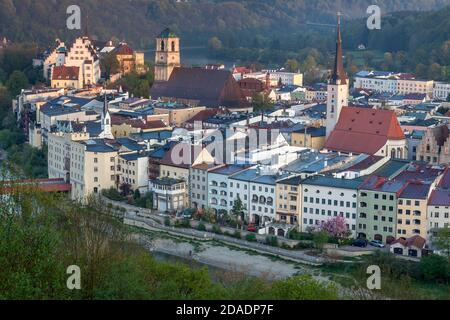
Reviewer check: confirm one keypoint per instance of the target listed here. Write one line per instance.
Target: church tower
(106, 122)
(338, 87)
(167, 55)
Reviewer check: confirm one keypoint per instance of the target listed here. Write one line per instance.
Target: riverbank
(229, 259)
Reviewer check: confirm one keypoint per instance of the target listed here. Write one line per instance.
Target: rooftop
(416, 191)
(440, 197)
(229, 170)
(325, 181)
(361, 130)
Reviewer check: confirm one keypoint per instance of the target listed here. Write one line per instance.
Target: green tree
(292, 65)
(320, 239)
(109, 64)
(16, 82)
(442, 240)
(215, 44)
(238, 209)
(434, 267)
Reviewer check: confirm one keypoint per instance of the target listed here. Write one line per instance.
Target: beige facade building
(94, 167)
(178, 113)
(134, 171)
(67, 77)
(83, 55)
(89, 165)
(412, 210)
(313, 138)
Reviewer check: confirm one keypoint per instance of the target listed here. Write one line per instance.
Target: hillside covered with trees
(139, 21)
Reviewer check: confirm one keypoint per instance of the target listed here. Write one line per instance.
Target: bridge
(43, 185)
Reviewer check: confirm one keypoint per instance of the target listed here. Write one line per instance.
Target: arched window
(162, 45)
(173, 45)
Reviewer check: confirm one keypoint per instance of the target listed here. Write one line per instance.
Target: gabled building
(369, 131)
(435, 146)
(82, 54)
(358, 130)
(66, 77)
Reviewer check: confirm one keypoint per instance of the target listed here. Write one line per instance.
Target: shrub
(434, 267)
(320, 238)
(216, 229)
(272, 241)
(251, 237)
(167, 222)
(201, 227)
(113, 194)
(237, 235)
(295, 235)
(304, 245)
(184, 223)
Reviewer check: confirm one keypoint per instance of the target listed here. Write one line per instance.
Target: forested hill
(139, 21)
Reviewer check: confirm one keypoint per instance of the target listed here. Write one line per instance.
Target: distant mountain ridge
(138, 21)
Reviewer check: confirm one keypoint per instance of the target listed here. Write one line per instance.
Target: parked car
(377, 243)
(252, 228)
(362, 243)
(187, 213)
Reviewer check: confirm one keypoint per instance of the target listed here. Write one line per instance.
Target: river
(194, 56)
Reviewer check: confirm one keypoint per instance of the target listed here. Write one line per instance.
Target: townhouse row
(400, 200)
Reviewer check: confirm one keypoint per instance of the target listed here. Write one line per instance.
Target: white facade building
(325, 198)
(441, 90)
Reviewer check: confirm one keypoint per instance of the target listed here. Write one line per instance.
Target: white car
(377, 243)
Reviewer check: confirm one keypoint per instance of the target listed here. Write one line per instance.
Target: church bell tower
(338, 86)
(167, 55)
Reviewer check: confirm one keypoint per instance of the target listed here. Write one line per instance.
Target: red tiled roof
(65, 73)
(242, 70)
(415, 241)
(361, 130)
(137, 123)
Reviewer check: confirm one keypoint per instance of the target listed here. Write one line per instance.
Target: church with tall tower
(192, 85)
(338, 86)
(106, 124)
(354, 130)
(167, 55)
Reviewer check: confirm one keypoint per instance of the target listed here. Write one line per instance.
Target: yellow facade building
(312, 137)
(412, 210)
(289, 201)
